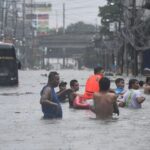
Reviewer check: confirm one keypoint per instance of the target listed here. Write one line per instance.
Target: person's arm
(71, 97)
(46, 98)
(121, 104)
(115, 106)
(140, 99)
(111, 90)
(92, 108)
(62, 92)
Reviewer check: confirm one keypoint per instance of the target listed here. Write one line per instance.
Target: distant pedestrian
(49, 101)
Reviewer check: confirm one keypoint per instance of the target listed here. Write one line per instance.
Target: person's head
(74, 85)
(148, 80)
(104, 84)
(134, 84)
(98, 69)
(62, 85)
(141, 83)
(53, 79)
(119, 82)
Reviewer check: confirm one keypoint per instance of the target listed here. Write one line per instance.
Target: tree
(80, 27)
(112, 12)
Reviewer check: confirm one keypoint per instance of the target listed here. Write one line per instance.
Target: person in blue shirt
(49, 101)
(120, 83)
(120, 86)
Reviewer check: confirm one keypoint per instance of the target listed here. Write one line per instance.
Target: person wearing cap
(62, 93)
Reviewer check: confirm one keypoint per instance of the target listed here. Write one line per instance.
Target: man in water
(74, 87)
(92, 83)
(133, 98)
(104, 100)
(49, 101)
(63, 92)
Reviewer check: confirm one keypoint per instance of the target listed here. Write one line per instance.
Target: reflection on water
(22, 125)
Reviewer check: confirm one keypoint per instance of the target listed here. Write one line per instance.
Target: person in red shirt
(92, 83)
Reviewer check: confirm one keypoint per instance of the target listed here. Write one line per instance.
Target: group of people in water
(106, 101)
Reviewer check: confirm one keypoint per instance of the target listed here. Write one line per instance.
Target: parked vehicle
(8, 65)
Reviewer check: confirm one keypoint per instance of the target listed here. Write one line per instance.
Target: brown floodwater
(22, 126)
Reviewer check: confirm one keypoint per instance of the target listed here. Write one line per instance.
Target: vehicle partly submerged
(8, 65)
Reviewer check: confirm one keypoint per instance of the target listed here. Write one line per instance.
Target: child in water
(120, 86)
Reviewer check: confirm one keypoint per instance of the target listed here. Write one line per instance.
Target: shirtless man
(63, 92)
(74, 87)
(104, 101)
(49, 101)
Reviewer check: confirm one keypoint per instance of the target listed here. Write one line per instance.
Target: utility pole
(134, 66)
(56, 22)
(14, 21)
(32, 36)
(3, 19)
(64, 18)
(64, 49)
(6, 9)
(24, 39)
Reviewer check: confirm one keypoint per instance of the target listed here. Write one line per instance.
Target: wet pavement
(22, 126)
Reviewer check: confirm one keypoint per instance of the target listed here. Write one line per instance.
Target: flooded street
(22, 126)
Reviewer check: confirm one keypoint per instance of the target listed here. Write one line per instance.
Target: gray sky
(75, 10)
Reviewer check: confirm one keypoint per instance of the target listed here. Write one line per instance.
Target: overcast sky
(75, 10)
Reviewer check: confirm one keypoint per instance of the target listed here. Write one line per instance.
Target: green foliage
(109, 13)
(112, 12)
(80, 27)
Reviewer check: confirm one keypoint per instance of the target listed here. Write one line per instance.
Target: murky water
(22, 126)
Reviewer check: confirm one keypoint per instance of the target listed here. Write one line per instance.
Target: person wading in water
(49, 101)
(105, 102)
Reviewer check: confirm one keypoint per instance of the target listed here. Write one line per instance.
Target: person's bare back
(103, 103)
